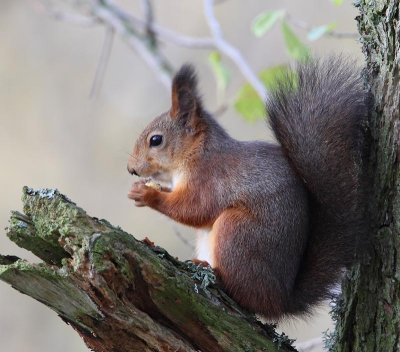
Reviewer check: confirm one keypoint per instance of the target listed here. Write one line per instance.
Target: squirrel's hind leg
(241, 262)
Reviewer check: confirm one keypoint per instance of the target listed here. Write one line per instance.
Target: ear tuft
(185, 77)
(185, 98)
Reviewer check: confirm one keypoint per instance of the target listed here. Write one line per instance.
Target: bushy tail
(319, 117)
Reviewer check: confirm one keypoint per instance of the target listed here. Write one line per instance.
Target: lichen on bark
(369, 319)
(121, 294)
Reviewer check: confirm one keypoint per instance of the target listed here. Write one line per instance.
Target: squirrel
(284, 220)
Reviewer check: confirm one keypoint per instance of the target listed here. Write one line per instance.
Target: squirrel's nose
(132, 171)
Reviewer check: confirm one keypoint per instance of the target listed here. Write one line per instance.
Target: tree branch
(103, 62)
(121, 294)
(229, 50)
(307, 27)
(169, 36)
(143, 35)
(109, 13)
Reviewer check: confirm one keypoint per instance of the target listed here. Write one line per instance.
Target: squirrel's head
(170, 140)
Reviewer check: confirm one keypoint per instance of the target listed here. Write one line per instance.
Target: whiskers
(135, 158)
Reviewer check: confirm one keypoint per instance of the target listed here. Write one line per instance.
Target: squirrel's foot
(202, 263)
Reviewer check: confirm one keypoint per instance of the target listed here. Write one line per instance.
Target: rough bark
(369, 312)
(121, 294)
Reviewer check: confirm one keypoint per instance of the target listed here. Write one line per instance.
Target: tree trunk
(369, 312)
(120, 294)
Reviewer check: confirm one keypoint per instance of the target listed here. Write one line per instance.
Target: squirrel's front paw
(142, 195)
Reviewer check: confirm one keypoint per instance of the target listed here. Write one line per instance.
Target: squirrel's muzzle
(132, 171)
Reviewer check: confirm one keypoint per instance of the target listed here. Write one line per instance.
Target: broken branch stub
(121, 294)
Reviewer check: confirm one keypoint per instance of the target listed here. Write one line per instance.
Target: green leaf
(221, 73)
(320, 31)
(265, 21)
(249, 104)
(337, 2)
(272, 75)
(296, 48)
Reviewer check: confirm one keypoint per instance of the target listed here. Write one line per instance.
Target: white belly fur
(203, 250)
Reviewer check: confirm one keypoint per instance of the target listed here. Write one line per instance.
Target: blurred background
(53, 135)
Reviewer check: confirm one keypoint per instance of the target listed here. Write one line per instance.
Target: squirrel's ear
(185, 99)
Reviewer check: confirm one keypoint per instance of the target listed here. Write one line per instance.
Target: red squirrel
(283, 219)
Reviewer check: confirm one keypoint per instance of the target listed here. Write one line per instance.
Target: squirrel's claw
(141, 194)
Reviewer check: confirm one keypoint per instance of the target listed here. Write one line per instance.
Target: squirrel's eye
(156, 140)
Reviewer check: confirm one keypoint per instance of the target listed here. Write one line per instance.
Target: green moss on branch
(121, 294)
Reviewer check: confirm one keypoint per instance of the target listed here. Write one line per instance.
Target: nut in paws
(141, 193)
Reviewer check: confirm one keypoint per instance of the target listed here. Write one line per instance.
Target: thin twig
(158, 64)
(106, 12)
(126, 25)
(169, 36)
(142, 35)
(103, 62)
(63, 16)
(229, 50)
(73, 18)
(149, 19)
(120, 21)
(307, 27)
